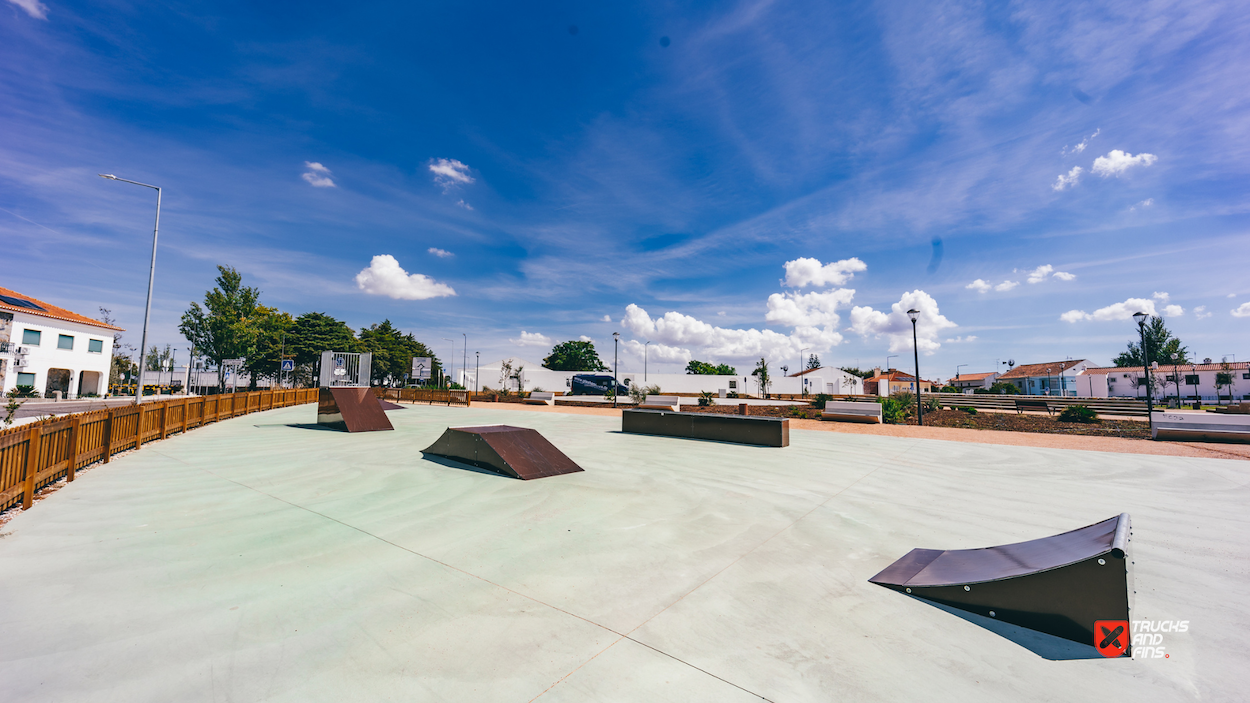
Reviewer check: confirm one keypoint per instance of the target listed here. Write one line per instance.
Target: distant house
(1197, 382)
(972, 381)
(826, 380)
(894, 381)
(1049, 378)
(51, 348)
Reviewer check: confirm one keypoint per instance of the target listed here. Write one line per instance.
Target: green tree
(392, 353)
(854, 371)
(158, 359)
(314, 333)
(761, 376)
(706, 369)
(272, 327)
(1161, 343)
(225, 328)
(574, 356)
(813, 362)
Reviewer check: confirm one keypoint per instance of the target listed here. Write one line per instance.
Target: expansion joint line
(620, 635)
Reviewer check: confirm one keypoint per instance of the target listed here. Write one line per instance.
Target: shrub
(707, 399)
(931, 403)
(1078, 413)
(892, 411)
(949, 389)
(732, 394)
(819, 401)
(969, 410)
(24, 392)
(639, 393)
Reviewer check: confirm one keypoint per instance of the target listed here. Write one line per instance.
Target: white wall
(535, 376)
(1118, 384)
(39, 359)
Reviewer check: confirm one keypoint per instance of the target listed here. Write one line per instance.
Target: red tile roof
(50, 310)
(1103, 370)
(972, 376)
(1034, 370)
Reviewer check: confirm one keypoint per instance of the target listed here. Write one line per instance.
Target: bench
(1238, 409)
(1023, 404)
(541, 398)
(661, 402)
(851, 412)
(716, 427)
(1200, 427)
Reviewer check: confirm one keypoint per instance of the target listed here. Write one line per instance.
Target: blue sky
(726, 181)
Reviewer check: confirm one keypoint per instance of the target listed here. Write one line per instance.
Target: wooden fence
(35, 455)
(424, 395)
(986, 401)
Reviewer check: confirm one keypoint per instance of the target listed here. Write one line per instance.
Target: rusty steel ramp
(355, 409)
(518, 452)
(1061, 585)
(388, 405)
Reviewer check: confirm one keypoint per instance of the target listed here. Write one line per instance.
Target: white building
(969, 382)
(533, 375)
(1197, 382)
(51, 348)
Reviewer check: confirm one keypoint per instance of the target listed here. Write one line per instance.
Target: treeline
(233, 324)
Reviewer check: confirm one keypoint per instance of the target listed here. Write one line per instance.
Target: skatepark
(266, 557)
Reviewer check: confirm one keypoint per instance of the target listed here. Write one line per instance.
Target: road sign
(421, 366)
(288, 365)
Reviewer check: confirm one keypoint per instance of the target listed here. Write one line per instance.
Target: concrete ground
(262, 558)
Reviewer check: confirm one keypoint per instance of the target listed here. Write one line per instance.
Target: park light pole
(477, 370)
(1176, 378)
(1141, 318)
(644, 361)
(616, 344)
(957, 368)
(914, 314)
(452, 359)
(464, 357)
(802, 364)
(147, 311)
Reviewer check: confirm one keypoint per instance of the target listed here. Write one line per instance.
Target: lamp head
(1140, 317)
(616, 336)
(109, 176)
(913, 314)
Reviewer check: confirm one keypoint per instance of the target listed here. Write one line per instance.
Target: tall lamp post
(147, 311)
(1176, 378)
(802, 365)
(616, 343)
(644, 361)
(1141, 318)
(477, 370)
(452, 359)
(464, 357)
(914, 314)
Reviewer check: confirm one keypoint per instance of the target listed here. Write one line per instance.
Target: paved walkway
(263, 559)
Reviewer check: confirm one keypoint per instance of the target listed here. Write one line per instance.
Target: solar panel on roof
(19, 302)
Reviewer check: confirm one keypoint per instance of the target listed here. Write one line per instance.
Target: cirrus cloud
(318, 176)
(34, 8)
(449, 173)
(1065, 182)
(384, 276)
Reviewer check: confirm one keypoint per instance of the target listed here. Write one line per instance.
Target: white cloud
(606, 318)
(1242, 310)
(1117, 162)
(1064, 182)
(695, 336)
(34, 8)
(450, 172)
(1200, 312)
(957, 340)
(464, 205)
(808, 310)
(1143, 205)
(979, 286)
(1084, 143)
(1231, 295)
(584, 338)
(384, 276)
(532, 339)
(809, 272)
(1040, 273)
(1065, 276)
(654, 352)
(1161, 297)
(317, 175)
(1006, 285)
(897, 327)
(1173, 310)
(440, 253)
(1116, 311)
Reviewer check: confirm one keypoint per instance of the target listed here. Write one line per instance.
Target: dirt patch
(1008, 422)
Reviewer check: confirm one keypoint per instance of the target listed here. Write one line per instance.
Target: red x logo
(1111, 637)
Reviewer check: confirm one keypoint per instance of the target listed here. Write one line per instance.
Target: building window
(65, 342)
(1246, 376)
(31, 337)
(95, 346)
(26, 379)
(1191, 380)
(733, 385)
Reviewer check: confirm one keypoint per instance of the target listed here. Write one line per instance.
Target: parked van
(594, 384)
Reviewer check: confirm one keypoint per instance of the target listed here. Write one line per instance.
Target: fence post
(139, 427)
(73, 447)
(108, 436)
(164, 419)
(186, 407)
(32, 467)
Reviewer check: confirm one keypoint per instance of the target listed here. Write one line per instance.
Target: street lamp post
(477, 370)
(644, 361)
(1176, 378)
(616, 343)
(1141, 318)
(147, 311)
(464, 356)
(914, 314)
(452, 359)
(802, 364)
